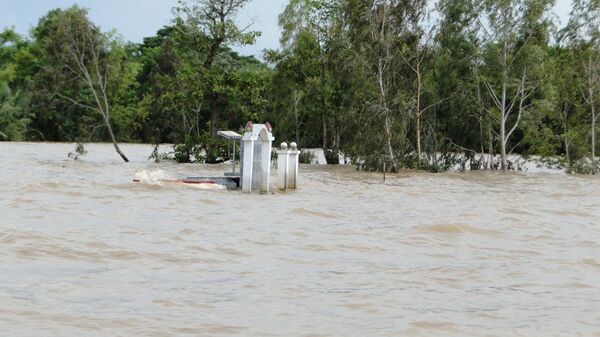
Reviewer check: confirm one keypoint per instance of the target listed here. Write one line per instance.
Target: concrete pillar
(283, 157)
(248, 146)
(265, 166)
(256, 151)
(292, 170)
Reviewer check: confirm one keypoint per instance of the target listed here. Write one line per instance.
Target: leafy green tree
(208, 26)
(512, 61)
(455, 66)
(316, 73)
(583, 35)
(80, 64)
(14, 118)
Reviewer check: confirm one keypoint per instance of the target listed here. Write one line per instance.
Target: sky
(136, 19)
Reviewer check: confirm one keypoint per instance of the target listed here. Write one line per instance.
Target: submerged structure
(256, 150)
(287, 166)
(255, 157)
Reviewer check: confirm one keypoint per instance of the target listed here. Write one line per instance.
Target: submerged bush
(79, 152)
(202, 149)
(306, 157)
(584, 166)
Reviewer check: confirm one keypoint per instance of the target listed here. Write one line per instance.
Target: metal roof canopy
(235, 137)
(230, 135)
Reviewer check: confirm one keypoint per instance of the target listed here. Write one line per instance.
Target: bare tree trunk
(503, 118)
(296, 119)
(568, 154)
(418, 138)
(482, 164)
(504, 162)
(592, 79)
(503, 112)
(388, 137)
(593, 134)
(591, 84)
(566, 137)
(324, 133)
(418, 104)
(86, 63)
(114, 141)
(491, 148)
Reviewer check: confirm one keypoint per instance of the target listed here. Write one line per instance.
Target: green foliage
(306, 157)
(344, 80)
(79, 152)
(14, 119)
(203, 149)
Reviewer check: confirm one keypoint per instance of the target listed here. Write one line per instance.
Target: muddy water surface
(85, 252)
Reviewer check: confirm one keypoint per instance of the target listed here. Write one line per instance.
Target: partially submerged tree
(78, 58)
(510, 62)
(583, 35)
(315, 46)
(456, 63)
(382, 30)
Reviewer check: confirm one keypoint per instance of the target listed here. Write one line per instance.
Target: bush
(306, 157)
(79, 152)
(203, 149)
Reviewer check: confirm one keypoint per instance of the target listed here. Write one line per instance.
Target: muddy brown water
(86, 252)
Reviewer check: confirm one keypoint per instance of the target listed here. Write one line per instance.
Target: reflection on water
(85, 252)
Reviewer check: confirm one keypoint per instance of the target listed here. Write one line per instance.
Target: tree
(583, 33)
(14, 119)
(209, 25)
(456, 63)
(78, 55)
(314, 41)
(414, 16)
(382, 31)
(17, 65)
(509, 78)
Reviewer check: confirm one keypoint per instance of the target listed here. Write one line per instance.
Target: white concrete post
(248, 145)
(257, 137)
(292, 171)
(266, 166)
(283, 157)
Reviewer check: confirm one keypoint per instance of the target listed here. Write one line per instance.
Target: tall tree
(382, 34)
(77, 53)
(509, 80)
(15, 117)
(583, 33)
(321, 23)
(210, 25)
(456, 60)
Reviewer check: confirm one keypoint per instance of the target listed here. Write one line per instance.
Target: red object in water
(191, 181)
(198, 182)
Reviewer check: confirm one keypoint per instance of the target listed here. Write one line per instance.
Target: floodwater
(86, 252)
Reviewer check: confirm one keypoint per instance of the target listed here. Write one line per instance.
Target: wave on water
(160, 178)
(454, 228)
(155, 177)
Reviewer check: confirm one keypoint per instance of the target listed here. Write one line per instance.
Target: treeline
(389, 83)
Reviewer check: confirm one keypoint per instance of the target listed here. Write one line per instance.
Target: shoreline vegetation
(316, 157)
(448, 85)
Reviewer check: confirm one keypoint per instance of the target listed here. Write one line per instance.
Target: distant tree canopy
(390, 83)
